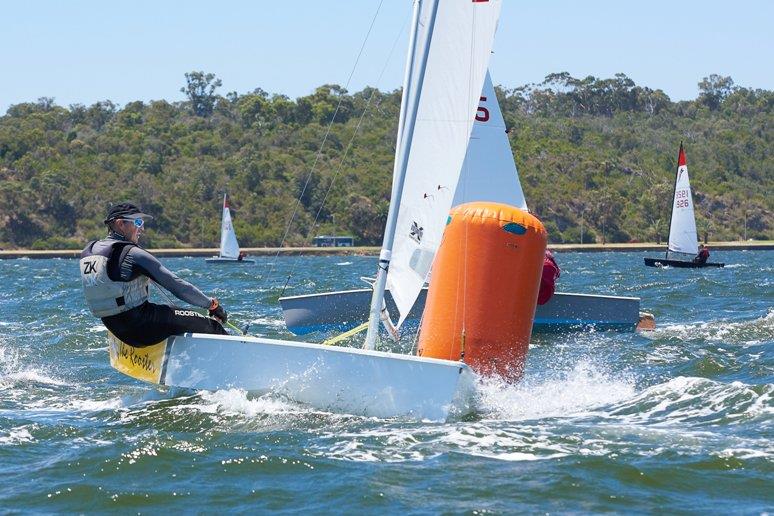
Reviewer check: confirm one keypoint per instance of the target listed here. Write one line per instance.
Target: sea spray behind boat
(482, 298)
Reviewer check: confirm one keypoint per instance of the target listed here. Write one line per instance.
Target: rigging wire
(349, 146)
(322, 144)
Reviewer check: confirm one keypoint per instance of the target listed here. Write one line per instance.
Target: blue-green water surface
(681, 419)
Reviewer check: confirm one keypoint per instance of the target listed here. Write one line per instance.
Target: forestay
(448, 98)
(682, 230)
(489, 172)
(229, 247)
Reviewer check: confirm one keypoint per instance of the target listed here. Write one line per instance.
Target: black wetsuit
(150, 323)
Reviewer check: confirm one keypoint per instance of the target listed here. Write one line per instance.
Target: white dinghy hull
(341, 380)
(219, 259)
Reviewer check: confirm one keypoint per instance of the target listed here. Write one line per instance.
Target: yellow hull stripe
(146, 363)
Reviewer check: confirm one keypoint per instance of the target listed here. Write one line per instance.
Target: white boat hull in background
(341, 311)
(342, 380)
(220, 259)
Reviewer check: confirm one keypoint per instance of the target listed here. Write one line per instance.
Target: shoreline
(759, 245)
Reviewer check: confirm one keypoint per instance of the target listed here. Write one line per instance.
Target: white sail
(489, 172)
(682, 230)
(448, 95)
(229, 247)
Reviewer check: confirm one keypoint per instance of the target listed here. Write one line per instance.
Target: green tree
(364, 219)
(200, 89)
(714, 89)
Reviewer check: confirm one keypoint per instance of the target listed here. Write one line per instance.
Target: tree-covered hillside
(596, 158)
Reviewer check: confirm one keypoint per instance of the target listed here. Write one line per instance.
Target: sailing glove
(217, 311)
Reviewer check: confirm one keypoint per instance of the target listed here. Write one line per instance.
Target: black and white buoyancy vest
(105, 293)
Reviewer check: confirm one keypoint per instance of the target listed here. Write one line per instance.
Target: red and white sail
(682, 230)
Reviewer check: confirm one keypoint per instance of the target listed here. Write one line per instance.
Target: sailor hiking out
(703, 255)
(116, 273)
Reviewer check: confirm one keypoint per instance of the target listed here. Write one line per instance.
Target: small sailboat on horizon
(683, 242)
(229, 247)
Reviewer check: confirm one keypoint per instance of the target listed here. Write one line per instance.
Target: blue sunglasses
(138, 222)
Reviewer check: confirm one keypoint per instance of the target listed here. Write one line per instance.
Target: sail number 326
(682, 200)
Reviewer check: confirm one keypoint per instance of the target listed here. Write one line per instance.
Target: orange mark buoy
(482, 297)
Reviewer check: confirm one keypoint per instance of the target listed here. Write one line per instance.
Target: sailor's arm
(152, 267)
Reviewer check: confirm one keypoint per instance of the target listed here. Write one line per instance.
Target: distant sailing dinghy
(449, 49)
(229, 247)
(683, 243)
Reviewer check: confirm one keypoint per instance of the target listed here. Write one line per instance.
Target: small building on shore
(333, 241)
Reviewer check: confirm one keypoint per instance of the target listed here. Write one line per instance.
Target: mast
(674, 191)
(405, 134)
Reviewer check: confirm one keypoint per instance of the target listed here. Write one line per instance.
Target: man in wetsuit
(703, 255)
(548, 278)
(115, 272)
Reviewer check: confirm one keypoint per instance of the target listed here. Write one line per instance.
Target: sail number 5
(482, 114)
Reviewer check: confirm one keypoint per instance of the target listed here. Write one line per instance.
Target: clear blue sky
(83, 51)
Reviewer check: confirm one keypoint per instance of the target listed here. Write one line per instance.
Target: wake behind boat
(229, 247)
(683, 241)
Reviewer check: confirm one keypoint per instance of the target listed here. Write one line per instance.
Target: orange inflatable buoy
(482, 297)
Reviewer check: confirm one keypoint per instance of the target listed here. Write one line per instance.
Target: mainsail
(447, 93)
(229, 247)
(682, 230)
(489, 172)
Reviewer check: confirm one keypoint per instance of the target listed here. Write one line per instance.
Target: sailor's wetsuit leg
(150, 323)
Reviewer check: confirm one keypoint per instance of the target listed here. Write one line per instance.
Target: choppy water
(678, 420)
